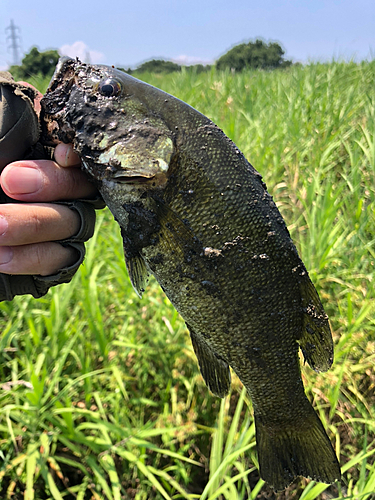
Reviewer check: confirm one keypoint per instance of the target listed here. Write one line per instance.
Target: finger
(40, 258)
(65, 156)
(22, 224)
(44, 180)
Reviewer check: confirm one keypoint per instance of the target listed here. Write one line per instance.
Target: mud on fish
(195, 214)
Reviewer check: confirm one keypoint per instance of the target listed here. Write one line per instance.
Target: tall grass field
(100, 392)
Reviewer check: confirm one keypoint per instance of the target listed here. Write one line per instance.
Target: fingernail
(65, 155)
(68, 154)
(6, 254)
(22, 180)
(3, 225)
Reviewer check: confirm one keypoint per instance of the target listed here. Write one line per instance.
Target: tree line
(254, 54)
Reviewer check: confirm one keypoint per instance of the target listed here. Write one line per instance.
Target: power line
(14, 39)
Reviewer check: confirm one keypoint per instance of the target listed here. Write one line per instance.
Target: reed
(101, 396)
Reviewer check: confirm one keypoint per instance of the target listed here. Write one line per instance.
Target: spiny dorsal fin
(316, 340)
(215, 370)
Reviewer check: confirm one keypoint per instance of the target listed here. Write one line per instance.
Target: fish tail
(303, 450)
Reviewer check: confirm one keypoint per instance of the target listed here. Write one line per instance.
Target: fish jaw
(53, 105)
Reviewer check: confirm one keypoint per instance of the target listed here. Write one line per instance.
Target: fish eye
(110, 87)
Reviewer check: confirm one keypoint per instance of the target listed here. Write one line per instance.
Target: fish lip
(65, 70)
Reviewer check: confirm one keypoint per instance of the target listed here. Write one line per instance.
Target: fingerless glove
(19, 135)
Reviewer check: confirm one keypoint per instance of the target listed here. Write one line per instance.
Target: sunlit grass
(101, 395)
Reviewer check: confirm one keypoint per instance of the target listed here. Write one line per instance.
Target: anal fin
(214, 370)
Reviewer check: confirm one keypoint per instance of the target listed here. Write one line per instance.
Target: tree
(256, 54)
(198, 68)
(35, 62)
(158, 66)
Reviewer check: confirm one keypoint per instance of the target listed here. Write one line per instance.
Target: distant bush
(158, 66)
(256, 54)
(199, 68)
(163, 66)
(36, 63)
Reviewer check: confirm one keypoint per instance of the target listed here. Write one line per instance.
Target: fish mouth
(54, 102)
(124, 178)
(145, 180)
(118, 176)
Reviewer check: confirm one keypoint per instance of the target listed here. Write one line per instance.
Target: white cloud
(82, 51)
(187, 60)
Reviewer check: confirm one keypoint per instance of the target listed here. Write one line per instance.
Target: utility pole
(14, 39)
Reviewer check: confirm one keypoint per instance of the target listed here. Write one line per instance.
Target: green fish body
(195, 214)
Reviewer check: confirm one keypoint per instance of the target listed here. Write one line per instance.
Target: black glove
(19, 134)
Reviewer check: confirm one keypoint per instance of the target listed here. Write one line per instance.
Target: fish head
(121, 138)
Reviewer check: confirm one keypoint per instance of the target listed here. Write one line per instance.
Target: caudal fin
(295, 451)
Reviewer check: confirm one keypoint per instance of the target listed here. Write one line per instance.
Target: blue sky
(126, 32)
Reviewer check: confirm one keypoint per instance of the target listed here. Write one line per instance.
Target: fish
(196, 215)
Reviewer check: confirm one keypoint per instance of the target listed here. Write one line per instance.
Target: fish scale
(195, 214)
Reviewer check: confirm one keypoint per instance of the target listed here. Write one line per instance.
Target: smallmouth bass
(195, 214)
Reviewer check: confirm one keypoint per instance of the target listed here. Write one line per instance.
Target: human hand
(28, 231)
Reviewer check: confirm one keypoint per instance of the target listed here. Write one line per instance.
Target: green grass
(101, 397)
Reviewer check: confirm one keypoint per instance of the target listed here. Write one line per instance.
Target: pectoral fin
(316, 339)
(214, 370)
